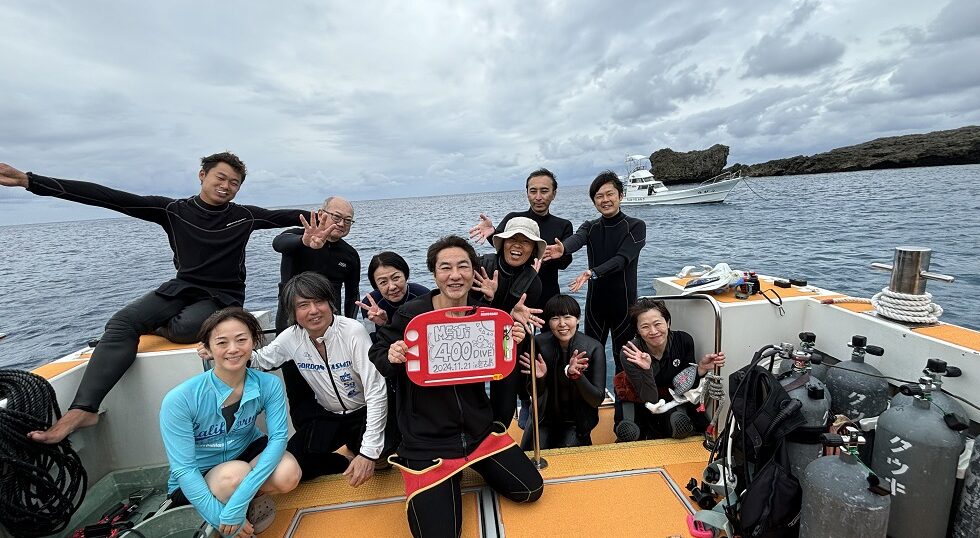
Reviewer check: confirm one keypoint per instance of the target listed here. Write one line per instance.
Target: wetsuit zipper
(462, 424)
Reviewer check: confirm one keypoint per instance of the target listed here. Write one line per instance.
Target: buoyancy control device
(749, 474)
(803, 443)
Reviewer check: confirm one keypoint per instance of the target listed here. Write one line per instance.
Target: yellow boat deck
(611, 489)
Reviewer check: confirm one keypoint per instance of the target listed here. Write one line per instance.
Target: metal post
(539, 462)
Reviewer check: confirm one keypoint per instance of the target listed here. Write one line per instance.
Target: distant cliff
(672, 166)
(956, 146)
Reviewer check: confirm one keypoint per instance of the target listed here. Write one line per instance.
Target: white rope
(899, 306)
(906, 307)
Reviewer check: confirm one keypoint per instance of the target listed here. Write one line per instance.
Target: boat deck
(586, 490)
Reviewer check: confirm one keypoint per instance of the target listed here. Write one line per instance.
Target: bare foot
(68, 423)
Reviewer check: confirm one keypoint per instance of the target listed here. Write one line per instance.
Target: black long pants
(178, 319)
(510, 473)
(555, 435)
(314, 443)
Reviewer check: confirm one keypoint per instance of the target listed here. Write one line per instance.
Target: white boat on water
(124, 454)
(643, 189)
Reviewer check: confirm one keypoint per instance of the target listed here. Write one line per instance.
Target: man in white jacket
(331, 354)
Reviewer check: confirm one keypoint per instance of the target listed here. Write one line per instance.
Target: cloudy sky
(380, 99)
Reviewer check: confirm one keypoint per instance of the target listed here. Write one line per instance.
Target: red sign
(472, 346)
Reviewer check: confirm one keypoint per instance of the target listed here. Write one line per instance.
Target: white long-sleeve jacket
(345, 383)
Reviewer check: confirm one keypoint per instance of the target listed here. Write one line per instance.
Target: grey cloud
(959, 19)
(950, 70)
(782, 55)
(789, 51)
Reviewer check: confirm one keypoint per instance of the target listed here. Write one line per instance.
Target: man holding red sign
(448, 427)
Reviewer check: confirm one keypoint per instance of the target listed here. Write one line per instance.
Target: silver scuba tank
(917, 449)
(966, 524)
(857, 389)
(803, 444)
(841, 498)
(937, 369)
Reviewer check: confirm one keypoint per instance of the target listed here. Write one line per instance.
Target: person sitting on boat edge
(324, 252)
(571, 376)
(388, 274)
(514, 267)
(208, 230)
(436, 444)
(657, 360)
(219, 459)
(349, 407)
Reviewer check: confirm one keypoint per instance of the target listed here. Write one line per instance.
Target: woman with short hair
(219, 459)
(571, 376)
(657, 361)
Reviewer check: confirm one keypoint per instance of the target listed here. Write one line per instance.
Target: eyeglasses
(337, 217)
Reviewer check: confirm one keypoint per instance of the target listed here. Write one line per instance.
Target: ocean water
(60, 282)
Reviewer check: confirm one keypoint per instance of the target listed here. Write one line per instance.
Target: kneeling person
(218, 458)
(331, 355)
(657, 361)
(571, 372)
(448, 428)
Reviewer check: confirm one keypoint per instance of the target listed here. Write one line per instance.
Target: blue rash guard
(194, 436)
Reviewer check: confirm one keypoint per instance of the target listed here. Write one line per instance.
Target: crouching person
(448, 428)
(340, 398)
(219, 459)
(660, 363)
(571, 374)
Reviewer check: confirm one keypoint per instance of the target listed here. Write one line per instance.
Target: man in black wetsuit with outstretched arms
(207, 233)
(614, 241)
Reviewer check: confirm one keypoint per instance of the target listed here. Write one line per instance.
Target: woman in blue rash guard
(218, 458)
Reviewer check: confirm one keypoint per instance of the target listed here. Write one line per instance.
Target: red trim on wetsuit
(443, 469)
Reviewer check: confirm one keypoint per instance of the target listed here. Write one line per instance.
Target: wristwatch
(592, 275)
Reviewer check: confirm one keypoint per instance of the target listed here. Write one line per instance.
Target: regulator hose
(41, 485)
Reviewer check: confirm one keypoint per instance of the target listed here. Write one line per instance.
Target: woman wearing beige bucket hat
(504, 276)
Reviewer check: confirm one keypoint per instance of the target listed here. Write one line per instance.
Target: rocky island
(955, 146)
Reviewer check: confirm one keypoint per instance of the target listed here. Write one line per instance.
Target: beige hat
(524, 226)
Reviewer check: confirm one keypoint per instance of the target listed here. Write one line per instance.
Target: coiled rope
(41, 485)
(905, 307)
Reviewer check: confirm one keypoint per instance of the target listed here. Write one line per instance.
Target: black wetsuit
(568, 409)
(447, 422)
(614, 246)
(512, 282)
(550, 227)
(337, 261)
(676, 369)
(209, 254)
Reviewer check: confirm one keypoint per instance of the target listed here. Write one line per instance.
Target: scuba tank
(937, 369)
(917, 449)
(803, 443)
(967, 521)
(841, 497)
(857, 389)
